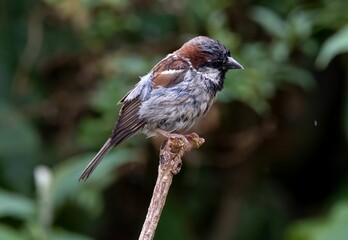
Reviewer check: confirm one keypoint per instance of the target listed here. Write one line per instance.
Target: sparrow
(173, 96)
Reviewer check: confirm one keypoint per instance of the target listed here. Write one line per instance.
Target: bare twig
(170, 163)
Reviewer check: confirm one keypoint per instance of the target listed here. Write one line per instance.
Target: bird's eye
(225, 59)
(228, 53)
(219, 62)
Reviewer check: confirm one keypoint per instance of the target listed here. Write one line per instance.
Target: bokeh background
(274, 165)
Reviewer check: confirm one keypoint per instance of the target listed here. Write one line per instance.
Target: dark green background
(274, 165)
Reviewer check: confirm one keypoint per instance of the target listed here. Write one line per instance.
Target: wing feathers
(169, 71)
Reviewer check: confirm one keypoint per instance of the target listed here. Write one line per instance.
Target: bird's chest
(176, 108)
(184, 111)
(183, 117)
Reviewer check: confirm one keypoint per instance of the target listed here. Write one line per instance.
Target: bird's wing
(128, 122)
(170, 71)
(127, 125)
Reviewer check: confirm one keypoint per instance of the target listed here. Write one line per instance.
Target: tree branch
(170, 164)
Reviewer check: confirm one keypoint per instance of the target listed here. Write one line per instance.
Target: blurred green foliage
(276, 148)
(333, 226)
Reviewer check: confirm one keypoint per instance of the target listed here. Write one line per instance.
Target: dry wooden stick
(170, 163)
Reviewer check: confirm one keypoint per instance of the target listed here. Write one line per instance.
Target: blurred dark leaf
(270, 21)
(334, 45)
(334, 226)
(19, 148)
(10, 233)
(16, 206)
(59, 234)
(345, 111)
(87, 194)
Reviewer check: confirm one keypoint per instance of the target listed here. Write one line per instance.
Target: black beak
(233, 64)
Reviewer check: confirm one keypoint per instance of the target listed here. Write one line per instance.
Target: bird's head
(206, 52)
(209, 57)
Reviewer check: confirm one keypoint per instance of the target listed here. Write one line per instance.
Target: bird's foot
(195, 140)
(182, 142)
(174, 147)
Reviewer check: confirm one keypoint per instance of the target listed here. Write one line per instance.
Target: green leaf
(345, 110)
(9, 233)
(334, 45)
(270, 21)
(65, 184)
(16, 206)
(19, 148)
(64, 235)
(296, 75)
(301, 23)
(331, 227)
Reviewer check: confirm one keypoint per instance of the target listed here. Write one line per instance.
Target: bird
(173, 96)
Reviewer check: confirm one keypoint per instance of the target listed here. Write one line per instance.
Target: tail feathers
(112, 142)
(122, 131)
(96, 160)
